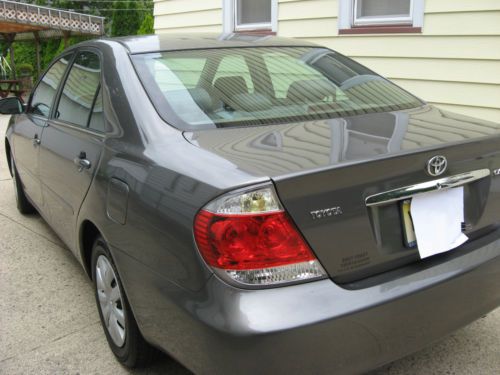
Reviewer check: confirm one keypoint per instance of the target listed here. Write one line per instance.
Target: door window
(80, 90)
(44, 94)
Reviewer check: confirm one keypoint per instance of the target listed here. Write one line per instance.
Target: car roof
(189, 41)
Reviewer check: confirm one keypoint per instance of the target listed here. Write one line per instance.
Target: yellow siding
(454, 63)
(173, 16)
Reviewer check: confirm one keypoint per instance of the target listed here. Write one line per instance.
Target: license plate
(410, 240)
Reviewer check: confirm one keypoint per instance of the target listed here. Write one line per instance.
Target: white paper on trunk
(437, 219)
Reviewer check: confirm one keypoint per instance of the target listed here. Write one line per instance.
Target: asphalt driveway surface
(49, 323)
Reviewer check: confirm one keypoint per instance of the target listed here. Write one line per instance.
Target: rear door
(29, 128)
(72, 143)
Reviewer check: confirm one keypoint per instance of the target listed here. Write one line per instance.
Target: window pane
(380, 8)
(267, 85)
(253, 11)
(45, 92)
(97, 117)
(80, 89)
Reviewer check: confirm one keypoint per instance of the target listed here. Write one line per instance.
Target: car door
(72, 143)
(30, 125)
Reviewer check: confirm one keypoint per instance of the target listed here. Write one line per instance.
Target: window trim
(381, 25)
(230, 25)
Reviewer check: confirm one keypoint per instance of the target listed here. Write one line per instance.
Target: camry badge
(436, 165)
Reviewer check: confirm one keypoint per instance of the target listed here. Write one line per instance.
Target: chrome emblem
(436, 165)
(326, 212)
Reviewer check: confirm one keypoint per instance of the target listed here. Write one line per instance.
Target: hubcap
(110, 300)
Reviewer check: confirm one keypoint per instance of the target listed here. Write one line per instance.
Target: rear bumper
(317, 327)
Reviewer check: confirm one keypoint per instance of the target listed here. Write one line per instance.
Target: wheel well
(89, 233)
(7, 155)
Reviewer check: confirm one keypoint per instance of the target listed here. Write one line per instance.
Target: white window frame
(348, 18)
(230, 18)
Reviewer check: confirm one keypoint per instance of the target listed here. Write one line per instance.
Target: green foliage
(24, 69)
(147, 25)
(123, 17)
(126, 18)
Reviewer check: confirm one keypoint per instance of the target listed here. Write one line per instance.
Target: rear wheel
(23, 204)
(120, 327)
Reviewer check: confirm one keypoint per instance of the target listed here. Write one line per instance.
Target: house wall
(454, 63)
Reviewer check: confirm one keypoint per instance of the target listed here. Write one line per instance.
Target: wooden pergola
(26, 22)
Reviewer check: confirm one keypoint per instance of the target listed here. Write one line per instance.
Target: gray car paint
(322, 326)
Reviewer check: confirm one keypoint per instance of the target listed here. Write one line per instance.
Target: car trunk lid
(325, 170)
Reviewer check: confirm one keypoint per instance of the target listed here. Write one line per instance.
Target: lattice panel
(57, 19)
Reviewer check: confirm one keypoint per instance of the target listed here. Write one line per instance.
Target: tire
(123, 335)
(23, 204)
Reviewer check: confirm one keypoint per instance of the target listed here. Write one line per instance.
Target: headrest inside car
(310, 90)
(250, 102)
(229, 86)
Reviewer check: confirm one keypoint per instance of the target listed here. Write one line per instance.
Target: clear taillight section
(247, 237)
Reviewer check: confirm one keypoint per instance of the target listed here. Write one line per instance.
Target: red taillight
(249, 241)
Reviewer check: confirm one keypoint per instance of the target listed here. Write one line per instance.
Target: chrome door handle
(82, 163)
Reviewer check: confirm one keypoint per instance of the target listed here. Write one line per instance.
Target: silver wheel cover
(110, 300)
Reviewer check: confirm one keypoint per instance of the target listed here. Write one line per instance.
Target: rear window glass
(201, 89)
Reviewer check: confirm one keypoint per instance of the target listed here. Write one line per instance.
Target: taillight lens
(248, 237)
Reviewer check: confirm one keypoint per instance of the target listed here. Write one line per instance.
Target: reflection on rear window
(263, 85)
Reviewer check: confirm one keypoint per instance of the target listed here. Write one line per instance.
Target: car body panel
(29, 129)
(317, 326)
(65, 184)
(180, 41)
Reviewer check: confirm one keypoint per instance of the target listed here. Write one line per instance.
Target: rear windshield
(200, 89)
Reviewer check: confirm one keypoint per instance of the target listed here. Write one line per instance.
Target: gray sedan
(254, 204)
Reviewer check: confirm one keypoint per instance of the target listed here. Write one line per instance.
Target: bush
(147, 25)
(25, 69)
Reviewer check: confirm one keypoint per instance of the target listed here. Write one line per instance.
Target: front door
(72, 144)
(29, 128)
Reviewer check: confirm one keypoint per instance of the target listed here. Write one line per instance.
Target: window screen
(80, 89)
(253, 11)
(45, 92)
(383, 8)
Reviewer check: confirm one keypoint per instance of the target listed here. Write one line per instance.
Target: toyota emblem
(436, 165)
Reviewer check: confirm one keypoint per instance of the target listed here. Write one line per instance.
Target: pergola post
(66, 35)
(37, 51)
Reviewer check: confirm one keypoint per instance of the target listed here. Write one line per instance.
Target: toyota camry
(257, 204)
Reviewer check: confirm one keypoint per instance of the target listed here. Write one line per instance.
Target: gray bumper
(317, 327)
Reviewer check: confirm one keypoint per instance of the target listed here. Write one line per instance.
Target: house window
(250, 15)
(380, 16)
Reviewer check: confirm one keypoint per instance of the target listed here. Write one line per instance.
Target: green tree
(126, 19)
(147, 25)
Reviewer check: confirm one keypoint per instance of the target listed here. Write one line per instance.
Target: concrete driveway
(49, 323)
